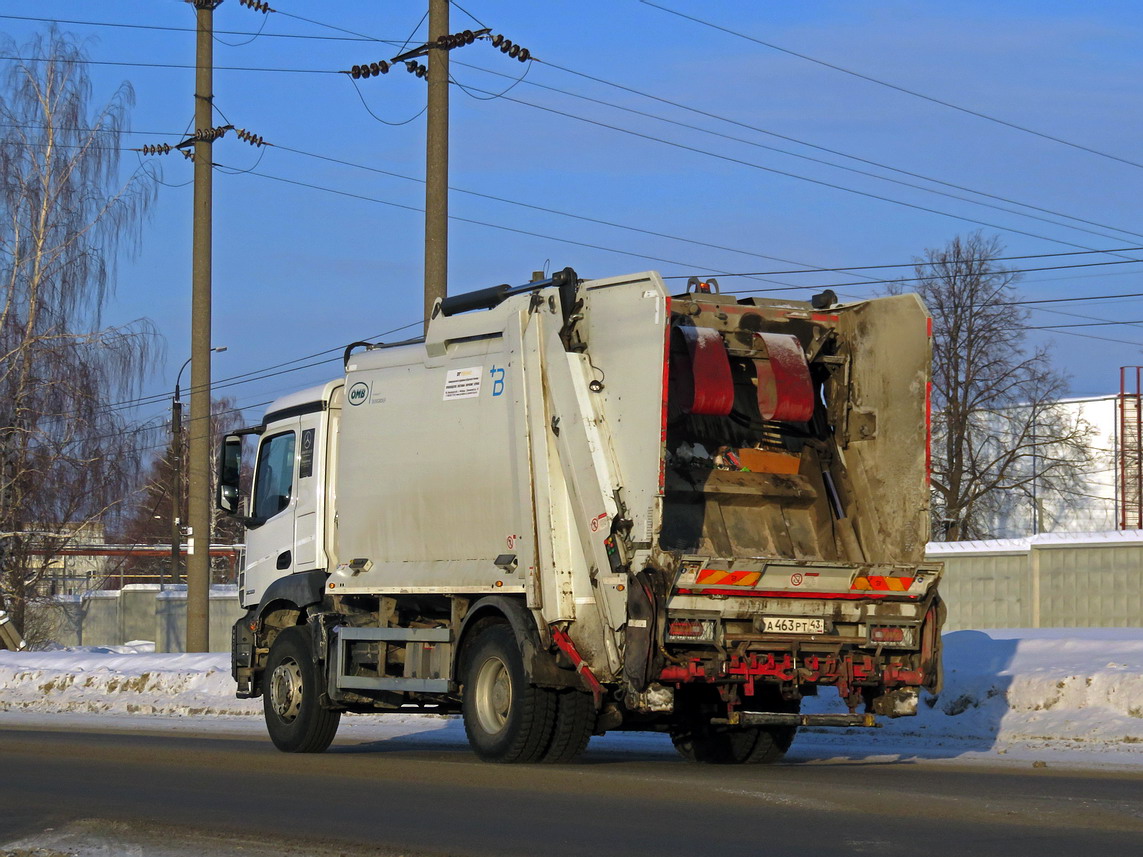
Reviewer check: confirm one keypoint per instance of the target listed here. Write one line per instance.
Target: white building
(1094, 503)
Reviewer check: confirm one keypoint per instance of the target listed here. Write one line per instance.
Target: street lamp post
(177, 488)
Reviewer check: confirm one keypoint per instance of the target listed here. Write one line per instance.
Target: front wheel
(506, 718)
(291, 690)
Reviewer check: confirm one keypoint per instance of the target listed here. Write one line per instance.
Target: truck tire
(742, 745)
(506, 718)
(575, 723)
(291, 687)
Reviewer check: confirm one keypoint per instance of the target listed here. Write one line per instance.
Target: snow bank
(128, 679)
(1065, 690)
(1021, 691)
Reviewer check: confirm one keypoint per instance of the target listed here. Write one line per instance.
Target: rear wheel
(734, 745)
(575, 723)
(506, 718)
(291, 690)
(699, 740)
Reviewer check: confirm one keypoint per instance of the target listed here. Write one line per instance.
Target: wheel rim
(493, 695)
(286, 690)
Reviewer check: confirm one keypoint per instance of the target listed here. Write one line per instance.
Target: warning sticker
(463, 383)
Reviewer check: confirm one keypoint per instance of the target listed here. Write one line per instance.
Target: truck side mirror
(229, 470)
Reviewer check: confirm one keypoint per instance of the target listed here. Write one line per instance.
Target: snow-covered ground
(1058, 696)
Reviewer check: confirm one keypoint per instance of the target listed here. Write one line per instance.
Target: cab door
(270, 548)
(310, 491)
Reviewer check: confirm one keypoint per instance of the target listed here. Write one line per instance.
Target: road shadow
(965, 717)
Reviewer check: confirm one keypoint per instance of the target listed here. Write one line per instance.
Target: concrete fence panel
(170, 618)
(987, 590)
(137, 611)
(1091, 586)
(100, 620)
(1072, 580)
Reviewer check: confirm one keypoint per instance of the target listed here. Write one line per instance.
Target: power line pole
(177, 489)
(198, 546)
(436, 164)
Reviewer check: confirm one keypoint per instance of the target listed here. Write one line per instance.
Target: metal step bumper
(762, 718)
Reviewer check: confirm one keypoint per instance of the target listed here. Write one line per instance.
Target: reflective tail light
(690, 629)
(888, 634)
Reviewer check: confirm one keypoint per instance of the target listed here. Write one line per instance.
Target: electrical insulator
(371, 70)
(507, 46)
(256, 5)
(209, 135)
(156, 149)
(250, 137)
(456, 40)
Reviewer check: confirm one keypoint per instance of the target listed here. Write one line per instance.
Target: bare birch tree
(999, 435)
(66, 460)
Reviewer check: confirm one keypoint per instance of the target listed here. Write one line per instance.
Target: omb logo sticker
(358, 393)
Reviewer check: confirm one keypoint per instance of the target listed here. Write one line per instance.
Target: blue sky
(299, 271)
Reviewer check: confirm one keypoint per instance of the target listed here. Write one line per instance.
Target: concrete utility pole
(177, 488)
(198, 553)
(436, 166)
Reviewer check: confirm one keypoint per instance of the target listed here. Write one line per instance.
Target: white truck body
(566, 468)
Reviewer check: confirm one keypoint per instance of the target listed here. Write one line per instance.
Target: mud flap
(931, 662)
(645, 611)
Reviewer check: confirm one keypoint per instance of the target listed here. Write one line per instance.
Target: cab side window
(274, 475)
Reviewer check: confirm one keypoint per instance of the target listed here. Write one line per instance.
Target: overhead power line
(1084, 324)
(179, 65)
(785, 287)
(896, 87)
(811, 159)
(708, 153)
(805, 269)
(159, 27)
(917, 279)
(475, 222)
(729, 120)
(788, 174)
(318, 358)
(557, 212)
(679, 105)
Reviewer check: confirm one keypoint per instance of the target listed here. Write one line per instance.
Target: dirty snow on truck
(582, 506)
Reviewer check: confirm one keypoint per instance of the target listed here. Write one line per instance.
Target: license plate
(792, 625)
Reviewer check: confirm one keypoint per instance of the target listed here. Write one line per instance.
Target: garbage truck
(577, 506)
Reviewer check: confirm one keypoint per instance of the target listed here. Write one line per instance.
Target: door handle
(284, 560)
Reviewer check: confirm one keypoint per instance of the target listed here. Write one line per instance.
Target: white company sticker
(463, 383)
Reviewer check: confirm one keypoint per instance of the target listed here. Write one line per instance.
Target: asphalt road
(404, 796)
